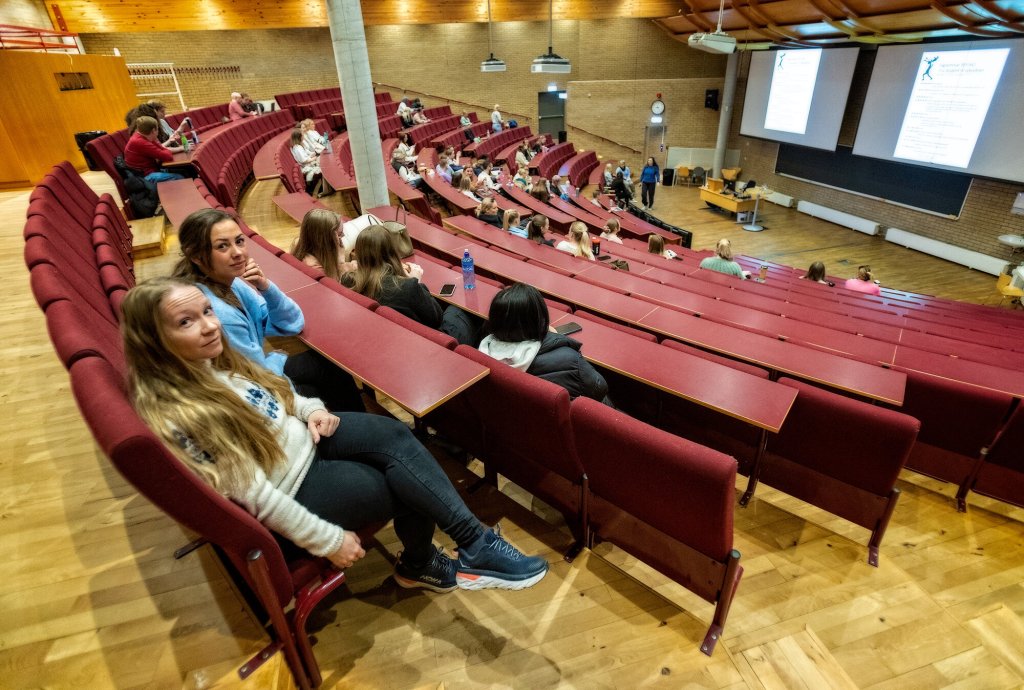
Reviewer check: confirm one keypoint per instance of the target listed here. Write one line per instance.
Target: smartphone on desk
(448, 289)
(568, 328)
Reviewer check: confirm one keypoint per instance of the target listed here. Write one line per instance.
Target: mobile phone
(568, 328)
(447, 289)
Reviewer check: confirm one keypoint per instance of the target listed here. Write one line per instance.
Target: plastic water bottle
(468, 274)
(184, 143)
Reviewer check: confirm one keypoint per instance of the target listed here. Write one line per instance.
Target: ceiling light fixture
(491, 64)
(550, 63)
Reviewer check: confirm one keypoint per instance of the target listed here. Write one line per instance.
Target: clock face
(658, 107)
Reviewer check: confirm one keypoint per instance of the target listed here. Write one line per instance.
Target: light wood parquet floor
(91, 596)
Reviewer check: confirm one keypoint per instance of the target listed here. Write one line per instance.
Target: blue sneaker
(437, 575)
(496, 564)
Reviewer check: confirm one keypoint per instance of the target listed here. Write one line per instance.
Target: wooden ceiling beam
(1013, 24)
(965, 25)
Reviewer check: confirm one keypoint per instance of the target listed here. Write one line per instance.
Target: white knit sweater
(271, 499)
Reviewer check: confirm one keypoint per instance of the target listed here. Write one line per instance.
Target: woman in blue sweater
(250, 307)
(649, 180)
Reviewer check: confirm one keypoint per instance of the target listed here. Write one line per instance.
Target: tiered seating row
(458, 138)
(579, 167)
(496, 142)
(202, 118)
(548, 162)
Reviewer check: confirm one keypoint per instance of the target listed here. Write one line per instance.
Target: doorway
(551, 113)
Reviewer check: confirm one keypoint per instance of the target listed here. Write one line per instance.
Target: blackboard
(924, 188)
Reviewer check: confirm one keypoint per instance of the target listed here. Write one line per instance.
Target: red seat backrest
(679, 487)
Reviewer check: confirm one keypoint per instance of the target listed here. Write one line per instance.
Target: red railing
(28, 38)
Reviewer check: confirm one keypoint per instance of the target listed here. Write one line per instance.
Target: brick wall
(25, 13)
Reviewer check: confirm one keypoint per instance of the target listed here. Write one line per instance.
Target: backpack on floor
(142, 194)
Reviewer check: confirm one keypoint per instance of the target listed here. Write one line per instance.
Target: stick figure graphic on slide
(782, 56)
(928, 70)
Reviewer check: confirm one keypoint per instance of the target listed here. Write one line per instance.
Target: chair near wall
(1005, 290)
(682, 175)
(698, 176)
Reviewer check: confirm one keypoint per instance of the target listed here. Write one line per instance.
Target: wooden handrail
(519, 117)
(610, 141)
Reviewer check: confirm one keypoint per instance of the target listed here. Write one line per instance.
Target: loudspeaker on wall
(711, 99)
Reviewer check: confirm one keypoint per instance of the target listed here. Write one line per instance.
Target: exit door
(551, 113)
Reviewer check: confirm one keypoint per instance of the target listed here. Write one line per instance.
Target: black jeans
(647, 193)
(373, 469)
(315, 376)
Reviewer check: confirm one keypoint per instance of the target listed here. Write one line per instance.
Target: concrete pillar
(725, 119)
(348, 37)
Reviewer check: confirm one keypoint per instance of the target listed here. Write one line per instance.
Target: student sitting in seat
(418, 118)
(412, 179)
(611, 231)
(319, 243)
(510, 224)
(306, 473)
(489, 212)
(143, 153)
(453, 158)
(539, 190)
(406, 148)
(236, 109)
(622, 193)
(722, 261)
(466, 187)
(311, 139)
(523, 179)
(381, 275)
(404, 112)
(578, 242)
(559, 187)
(536, 228)
(816, 273)
(308, 162)
(215, 257)
(609, 177)
(523, 155)
(656, 245)
(519, 334)
(864, 282)
(444, 168)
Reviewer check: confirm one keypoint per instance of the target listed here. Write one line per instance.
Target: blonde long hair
(205, 423)
(579, 238)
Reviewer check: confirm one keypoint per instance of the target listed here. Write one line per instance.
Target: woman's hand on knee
(322, 423)
(349, 552)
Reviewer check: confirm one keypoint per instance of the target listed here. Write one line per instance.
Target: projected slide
(948, 105)
(789, 101)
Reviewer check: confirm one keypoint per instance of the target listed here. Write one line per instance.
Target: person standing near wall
(496, 120)
(649, 177)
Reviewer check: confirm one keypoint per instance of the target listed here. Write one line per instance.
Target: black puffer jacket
(560, 362)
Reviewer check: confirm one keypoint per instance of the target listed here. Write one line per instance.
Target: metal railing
(29, 38)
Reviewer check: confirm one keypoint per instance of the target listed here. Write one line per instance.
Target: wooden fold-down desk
(417, 374)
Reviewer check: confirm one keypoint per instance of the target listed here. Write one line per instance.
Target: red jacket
(145, 155)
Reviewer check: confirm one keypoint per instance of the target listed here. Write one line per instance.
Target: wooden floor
(91, 596)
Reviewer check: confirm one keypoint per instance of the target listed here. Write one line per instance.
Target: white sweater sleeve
(283, 514)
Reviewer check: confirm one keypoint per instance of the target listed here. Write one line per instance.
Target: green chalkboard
(925, 188)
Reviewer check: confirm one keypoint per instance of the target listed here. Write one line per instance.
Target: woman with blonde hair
(522, 179)
(722, 260)
(305, 473)
(510, 224)
(656, 245)
(864, 282)
(311, 139)
(578, 242)
(466, 187)
(319, 243)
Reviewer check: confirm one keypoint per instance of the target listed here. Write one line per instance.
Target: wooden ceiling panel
(833, 21)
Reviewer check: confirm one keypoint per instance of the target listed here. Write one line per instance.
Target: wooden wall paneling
(12, 170)
(113, 16)
(41, 120)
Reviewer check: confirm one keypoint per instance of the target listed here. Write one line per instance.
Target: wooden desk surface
(791, 358)
(972, 373)
(287, 278)
(728, 202)
(297, 204)
(558, 219)
(179, 198)
(181, 158)
(416, 373)
(738, 394)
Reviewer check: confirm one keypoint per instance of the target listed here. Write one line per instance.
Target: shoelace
(502, 546)
(446, 564)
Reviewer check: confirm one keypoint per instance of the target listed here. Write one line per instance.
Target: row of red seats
(440, 123)
(496, 142)
(579, 167)
(202, 118)
(548, 162)
(457, 138)
(224, 160)
(289, 100)
(79, 275)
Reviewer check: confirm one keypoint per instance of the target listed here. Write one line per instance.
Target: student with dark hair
(619, 188)
(649, 178)
(381, 276)
(816, 274)
(250, 307)
(519, 331)
(536, 228)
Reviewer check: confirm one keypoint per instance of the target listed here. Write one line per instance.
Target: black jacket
(560, 362)
(411, 298)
